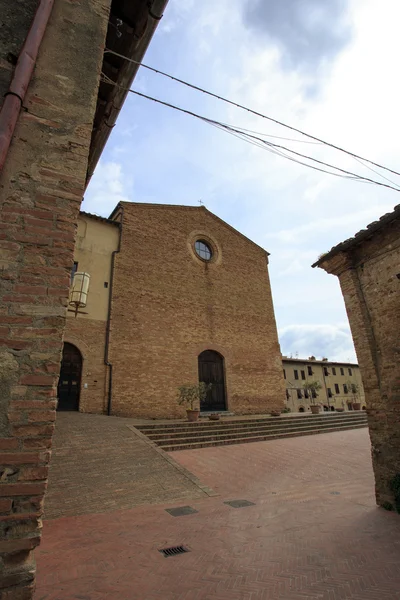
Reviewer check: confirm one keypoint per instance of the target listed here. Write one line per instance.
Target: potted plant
(214, 417)
(313, 387)
(355, 388)
(192, 395)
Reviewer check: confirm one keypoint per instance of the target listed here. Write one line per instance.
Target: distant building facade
(341, 384)
(176, 296)
(368, 268)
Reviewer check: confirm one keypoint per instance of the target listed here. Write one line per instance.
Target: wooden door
(69, 383)
(211, 370)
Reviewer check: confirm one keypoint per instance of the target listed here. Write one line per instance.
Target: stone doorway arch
(69, 383)
(212, 370)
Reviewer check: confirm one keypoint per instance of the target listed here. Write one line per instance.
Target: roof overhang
(132, 24)
(363, 235)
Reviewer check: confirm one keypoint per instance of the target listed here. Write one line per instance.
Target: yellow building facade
(341, 384)
(84, 377)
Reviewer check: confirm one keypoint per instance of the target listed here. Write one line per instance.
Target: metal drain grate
(180, 511)
(239, 503)
(174, 551)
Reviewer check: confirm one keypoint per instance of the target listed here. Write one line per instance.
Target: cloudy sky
(326, 67)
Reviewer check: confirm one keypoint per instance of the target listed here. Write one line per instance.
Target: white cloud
(349, 222)
(294, 212)
(331, 341)
(109, 185)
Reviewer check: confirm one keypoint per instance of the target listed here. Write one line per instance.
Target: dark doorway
(211, 370)
(69, 384)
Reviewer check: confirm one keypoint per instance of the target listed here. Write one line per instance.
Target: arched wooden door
(211, 370)
(69, 384)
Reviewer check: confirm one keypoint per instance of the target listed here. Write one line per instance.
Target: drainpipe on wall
(14, 98)
(108, 325)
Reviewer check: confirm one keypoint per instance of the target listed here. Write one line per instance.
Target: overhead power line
(264, 144)
(246, 108)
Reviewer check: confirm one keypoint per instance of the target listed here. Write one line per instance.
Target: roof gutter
(108, 324)
(15, 96)
(156, 9)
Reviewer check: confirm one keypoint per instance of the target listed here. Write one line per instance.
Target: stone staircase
(181, 435)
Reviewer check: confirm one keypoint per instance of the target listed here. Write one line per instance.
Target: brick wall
(41, 190)
(88, 336)
(169, 306)
(371, 291)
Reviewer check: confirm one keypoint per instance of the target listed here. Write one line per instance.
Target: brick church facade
(175, 295)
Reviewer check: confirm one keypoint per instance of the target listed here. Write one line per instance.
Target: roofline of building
(98, 218)
(361, 236)
(126, 73)
(319, 362)
(184, 206)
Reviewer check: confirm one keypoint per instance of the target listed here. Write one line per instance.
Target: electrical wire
(277, 153)
(322, 162)
(275, 148)
(254, 112)
(278, 137)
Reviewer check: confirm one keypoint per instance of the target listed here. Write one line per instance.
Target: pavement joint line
(207, 490)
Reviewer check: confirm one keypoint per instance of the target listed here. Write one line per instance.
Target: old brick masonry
(41, 191)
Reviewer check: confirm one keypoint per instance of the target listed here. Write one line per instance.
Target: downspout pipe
(15, 96)
(108, 324)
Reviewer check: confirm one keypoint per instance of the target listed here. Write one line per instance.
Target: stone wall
(41, 190)
(89, 337)
(371, 290)
(168, 306)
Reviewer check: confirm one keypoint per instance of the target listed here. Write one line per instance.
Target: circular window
(203, 250)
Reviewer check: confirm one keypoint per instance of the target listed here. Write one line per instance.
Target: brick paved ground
(100, 464)
(314, 532)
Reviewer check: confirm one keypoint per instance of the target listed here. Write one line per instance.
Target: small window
(350, 372)
(284, 374)
(314, 393)
(337, 391)
(333, 371)
(287, 395)
(309, 370)
(345, 388)
(353, 388)
(299, 394)
(303, 375)
(329, 393)
(73, 271)
(326, 372)
(296, 374)
(341, 371)
(203, 250)
(306, 395)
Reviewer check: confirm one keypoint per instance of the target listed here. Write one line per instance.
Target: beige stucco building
(341, 384)
(176, 295)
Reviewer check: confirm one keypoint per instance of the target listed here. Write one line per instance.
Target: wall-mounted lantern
(79, 290)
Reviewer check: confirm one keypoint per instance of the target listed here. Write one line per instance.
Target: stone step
(173, 425)
(191, 445)
(248, 430)
(247, 424)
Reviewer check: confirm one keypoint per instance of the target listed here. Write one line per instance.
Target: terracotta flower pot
(214, 417)
(315, 409)
(275, 413)
(339, 409)
(356, 406)
(192, 415)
